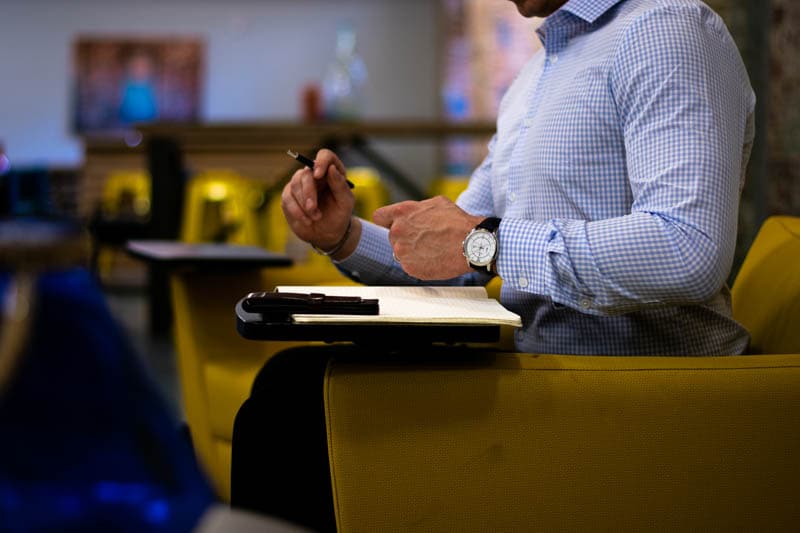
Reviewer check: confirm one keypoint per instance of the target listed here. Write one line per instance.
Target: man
(607, 204)
(616, 171)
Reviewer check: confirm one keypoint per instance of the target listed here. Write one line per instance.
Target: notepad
(414, 305)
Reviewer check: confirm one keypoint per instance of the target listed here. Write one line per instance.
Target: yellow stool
(448, 186)
(220, 207)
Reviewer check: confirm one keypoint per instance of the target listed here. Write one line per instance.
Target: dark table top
(182, 254)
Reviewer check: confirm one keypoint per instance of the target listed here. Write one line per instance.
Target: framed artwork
(119, 82)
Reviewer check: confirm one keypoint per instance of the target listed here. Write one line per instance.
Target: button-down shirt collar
(589, 10)
(574, 17)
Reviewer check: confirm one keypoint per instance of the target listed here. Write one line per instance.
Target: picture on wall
(123, 81)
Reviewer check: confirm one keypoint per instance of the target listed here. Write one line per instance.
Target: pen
(310, 164)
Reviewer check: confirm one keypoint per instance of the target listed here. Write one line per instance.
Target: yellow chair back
(766, 292)
(370, 192)
(221, 207)
(126, 192)
(448, 186)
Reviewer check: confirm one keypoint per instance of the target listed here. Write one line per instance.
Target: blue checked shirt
(616, 168)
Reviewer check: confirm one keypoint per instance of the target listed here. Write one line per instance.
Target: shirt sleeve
(685, 106)
(478, 199)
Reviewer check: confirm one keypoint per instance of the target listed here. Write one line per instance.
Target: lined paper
(414, 305)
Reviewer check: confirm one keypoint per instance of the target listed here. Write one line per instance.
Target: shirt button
(586, 303)
(553, 59)
(520, 335)
(512, 197)
(523, 282)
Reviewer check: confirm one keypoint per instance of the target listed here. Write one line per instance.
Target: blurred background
(424, 59)
(170, 119)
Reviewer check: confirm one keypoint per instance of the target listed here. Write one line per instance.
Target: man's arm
(683, 100)
(408, 257)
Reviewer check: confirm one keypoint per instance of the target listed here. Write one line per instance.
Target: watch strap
(490, 224)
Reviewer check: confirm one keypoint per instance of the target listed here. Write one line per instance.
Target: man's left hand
(427, 236)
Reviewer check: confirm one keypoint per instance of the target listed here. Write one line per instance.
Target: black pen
(310, 164)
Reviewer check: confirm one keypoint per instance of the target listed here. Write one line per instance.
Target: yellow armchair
(216, 367)
(765, 296)
(523, 442)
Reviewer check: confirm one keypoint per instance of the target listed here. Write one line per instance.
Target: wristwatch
(481, 245)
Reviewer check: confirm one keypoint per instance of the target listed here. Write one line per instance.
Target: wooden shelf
(257, 149)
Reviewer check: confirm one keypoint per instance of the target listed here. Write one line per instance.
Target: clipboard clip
(280, 306)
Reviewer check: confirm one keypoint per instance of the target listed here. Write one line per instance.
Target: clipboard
(258, 326)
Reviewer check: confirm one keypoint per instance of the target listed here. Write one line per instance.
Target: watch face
(480, 247)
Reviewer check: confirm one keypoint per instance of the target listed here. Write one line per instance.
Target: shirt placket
(554, 40)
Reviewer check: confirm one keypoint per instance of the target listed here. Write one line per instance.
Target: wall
(259, 55)
(767, 33)
(783, 165)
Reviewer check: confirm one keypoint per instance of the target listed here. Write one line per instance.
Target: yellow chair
(448, 186)
(523, 442)
(216, 367)
(125, 197)
(126, 193)
(369, 190)
(765, 297)
(221, 207)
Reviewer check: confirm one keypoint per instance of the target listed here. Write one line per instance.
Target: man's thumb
(384, 216)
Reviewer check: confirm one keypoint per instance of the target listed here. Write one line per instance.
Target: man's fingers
(304, 196)
(291, 209)
(323, 160)
(337, 181)
(309, 195)
(385, 216)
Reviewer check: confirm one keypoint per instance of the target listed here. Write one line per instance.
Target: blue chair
(87, 442)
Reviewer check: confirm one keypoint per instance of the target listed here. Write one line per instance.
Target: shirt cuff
(522, 259)
(373, 254)
(534, 259)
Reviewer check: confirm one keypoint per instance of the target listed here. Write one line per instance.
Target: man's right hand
(317, 203)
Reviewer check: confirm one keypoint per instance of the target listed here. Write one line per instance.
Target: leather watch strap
(490, 224)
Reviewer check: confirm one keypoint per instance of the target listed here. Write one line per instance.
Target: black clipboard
(258, 326)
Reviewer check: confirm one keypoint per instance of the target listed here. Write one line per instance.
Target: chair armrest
(487, 441)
